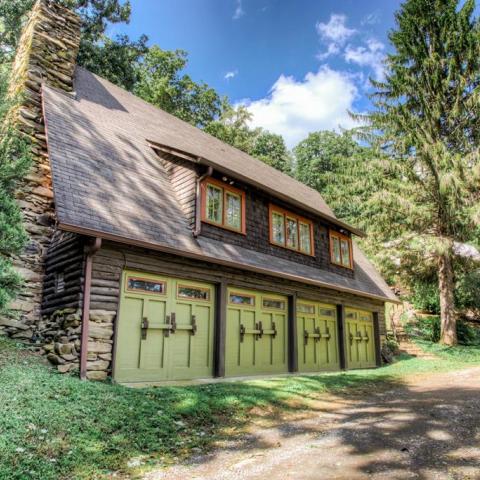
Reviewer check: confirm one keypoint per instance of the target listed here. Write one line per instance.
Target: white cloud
(239, 11)
(371, 18)
(334, 33)
(294, 108)
(231, 74)
(370, 56)
(335, 29)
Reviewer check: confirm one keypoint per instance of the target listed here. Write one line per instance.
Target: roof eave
(259, 185)
(194, 256)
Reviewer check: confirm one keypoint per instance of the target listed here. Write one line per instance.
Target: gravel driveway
(425, 428)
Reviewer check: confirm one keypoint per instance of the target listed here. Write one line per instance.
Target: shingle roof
(107, 180)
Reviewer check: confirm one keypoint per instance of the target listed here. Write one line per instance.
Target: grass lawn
(54, 426)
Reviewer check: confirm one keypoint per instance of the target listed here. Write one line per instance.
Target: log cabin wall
(112, 259)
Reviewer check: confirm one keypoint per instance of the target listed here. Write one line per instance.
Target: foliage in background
(427, 119)
(14, 163)
(428, 328)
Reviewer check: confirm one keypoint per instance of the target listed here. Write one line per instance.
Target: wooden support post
(292, 334)
(376, 333)
(220, 329)
(341, 336)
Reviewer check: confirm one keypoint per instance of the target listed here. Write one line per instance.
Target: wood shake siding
(183, 178)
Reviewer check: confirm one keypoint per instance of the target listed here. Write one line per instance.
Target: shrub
(428, 328)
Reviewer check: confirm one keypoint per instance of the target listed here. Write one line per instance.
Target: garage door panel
(359, 339)
(262, 348)
(317, 338)
(165, 329)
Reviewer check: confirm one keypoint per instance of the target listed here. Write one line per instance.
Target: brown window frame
(225, 190)
(299, 219)
(340, 237)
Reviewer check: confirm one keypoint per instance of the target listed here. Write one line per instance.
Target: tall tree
(162, 84)
(346, 173)
(428, 120)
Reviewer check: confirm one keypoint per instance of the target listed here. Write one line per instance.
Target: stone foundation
(60, 335)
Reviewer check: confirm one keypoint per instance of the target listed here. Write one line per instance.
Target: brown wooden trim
(133, 290)
(292, 334)
(341, 336)
(221, 329)
(195, 256)
(376, 333)
(225, 189)
(299, 219)
(340, 236)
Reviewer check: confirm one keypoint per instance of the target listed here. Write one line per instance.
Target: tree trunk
(448, 329)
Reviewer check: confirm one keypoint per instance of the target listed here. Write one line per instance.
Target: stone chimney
(46, 53)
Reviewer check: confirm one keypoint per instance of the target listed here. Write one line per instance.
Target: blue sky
(297, 64)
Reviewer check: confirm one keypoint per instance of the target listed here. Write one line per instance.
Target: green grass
(54, 426)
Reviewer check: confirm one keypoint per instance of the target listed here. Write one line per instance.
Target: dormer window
(341, 249)
(291, 231)
(223, 205)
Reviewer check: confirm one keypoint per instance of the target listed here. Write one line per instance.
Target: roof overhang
(218, 261)
(225, 171)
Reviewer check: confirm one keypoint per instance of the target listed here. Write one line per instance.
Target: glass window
(306, 308)
(345, 248)
(341, 249)
(352, 315)
(273, 303)
(336, 250)
(233, 210)
(145, 285)
(327, 312)
(278, 226)
(194, 293)
(223, 205)
(292, 233)
(239, 299)
(305, 238)
(214, 204)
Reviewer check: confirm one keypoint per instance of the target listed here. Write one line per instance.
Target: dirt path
(427, 428)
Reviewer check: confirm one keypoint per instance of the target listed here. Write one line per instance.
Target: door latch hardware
(194, 324)
(144, 328)
(316, 335)
(273, 331)
(173, 322)
(257, 331)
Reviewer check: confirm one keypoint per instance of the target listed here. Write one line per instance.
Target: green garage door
(165, 329)
(359, 339)
(317, 337)
(256, 331)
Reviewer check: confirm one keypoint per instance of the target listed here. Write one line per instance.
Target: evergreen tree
(427, 118)
(14, 163)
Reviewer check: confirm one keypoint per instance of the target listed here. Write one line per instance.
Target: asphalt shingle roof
(107, 180)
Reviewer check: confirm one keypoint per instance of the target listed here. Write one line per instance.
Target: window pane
(292, 233)
(278, 226)
(326, 312)
(352, 315)
(233, 210)
(304, 308)
(305, 239)
(273, 303)
(336, 250)
(345, 246)
(149, 286)
(214, 204)
(242, 299)
(194, 293)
